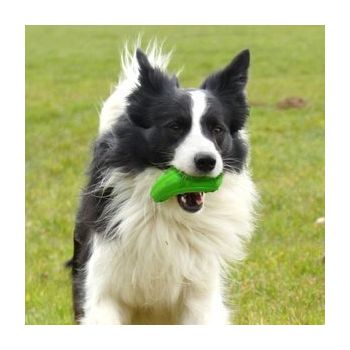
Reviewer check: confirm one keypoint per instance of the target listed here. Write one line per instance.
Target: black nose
(205, 162)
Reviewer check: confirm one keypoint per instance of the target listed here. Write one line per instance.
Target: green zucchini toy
(174, 182)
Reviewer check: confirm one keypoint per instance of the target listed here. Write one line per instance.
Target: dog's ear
(152, 79)
(232, 79)
(228, 86)
(152, 83)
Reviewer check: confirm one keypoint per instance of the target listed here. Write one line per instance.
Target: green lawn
(69, 72)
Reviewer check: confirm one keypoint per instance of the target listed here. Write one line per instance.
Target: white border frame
(17, 14)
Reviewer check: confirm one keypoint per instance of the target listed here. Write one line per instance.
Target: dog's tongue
(195, 198)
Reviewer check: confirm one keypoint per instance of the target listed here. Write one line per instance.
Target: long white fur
(162, 264)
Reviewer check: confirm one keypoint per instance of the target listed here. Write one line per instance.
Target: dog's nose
(205, 162)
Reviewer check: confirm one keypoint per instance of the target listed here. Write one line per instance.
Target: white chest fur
(159, 250)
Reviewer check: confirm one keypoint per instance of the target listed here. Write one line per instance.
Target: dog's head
(198, 131)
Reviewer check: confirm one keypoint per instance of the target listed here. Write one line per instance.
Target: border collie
(140, 262)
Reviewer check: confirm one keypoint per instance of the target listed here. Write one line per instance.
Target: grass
(69, 72)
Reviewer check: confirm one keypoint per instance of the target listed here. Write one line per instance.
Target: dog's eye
(217, 130)
(175, 126)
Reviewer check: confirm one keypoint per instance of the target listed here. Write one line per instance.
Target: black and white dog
(139, 262)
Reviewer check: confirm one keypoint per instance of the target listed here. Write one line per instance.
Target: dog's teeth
(183, 199)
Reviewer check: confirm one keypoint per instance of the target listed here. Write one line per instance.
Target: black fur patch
(228, 86)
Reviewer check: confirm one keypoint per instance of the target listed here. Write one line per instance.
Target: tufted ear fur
(152, 84)
(232, 78)
(152, 79)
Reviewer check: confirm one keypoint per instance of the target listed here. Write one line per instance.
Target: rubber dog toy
(173, 182)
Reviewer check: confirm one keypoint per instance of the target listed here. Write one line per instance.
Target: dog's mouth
(191, 202)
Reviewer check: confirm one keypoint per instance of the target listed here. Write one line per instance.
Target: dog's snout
(205, 162)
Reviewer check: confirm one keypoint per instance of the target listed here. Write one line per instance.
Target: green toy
(173, 182)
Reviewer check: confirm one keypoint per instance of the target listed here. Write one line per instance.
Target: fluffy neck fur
(167, 242)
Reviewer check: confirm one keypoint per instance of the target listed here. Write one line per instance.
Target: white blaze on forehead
(195, 142)
(199, 106)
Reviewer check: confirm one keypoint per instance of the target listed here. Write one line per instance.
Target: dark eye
(175, 126)
(218, 130)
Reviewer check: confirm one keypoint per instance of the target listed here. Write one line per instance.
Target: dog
(140, 262)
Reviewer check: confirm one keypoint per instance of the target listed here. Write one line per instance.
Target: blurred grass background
(69, 72)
